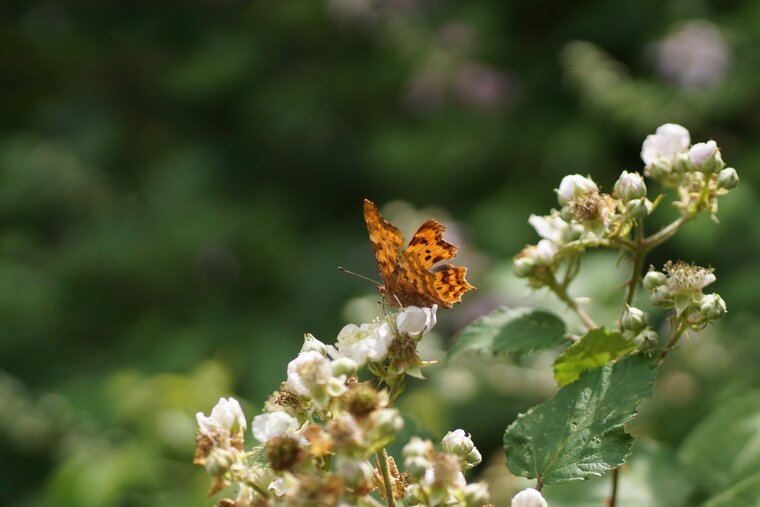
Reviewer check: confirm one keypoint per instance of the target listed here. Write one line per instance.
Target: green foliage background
(179, 181)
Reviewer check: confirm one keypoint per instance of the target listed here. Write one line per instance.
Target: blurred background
(180, 180)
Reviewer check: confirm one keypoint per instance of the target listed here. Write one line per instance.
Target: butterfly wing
(429, 246)
(386, 240)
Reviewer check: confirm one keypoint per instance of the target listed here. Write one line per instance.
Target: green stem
(382, 462)
(562, 294)
(664, 234)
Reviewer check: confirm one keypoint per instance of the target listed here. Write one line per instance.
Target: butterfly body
(412, 276)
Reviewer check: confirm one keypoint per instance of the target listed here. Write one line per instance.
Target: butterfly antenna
(341, 268)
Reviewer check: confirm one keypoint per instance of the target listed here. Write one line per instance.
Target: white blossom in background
(572, 186)
(668, 141)
(226, 416)
(695, 56)
(274, 424)
(529, 498)
(414, 320)
(368, 342)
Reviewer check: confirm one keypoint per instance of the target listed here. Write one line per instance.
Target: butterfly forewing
(386, 240)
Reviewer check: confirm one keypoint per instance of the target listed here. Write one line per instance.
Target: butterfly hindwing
(428, 244)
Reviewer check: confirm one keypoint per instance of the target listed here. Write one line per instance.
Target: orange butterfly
(407, 275)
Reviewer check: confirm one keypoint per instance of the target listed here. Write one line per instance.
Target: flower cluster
(317, 434)
(680, 287)
(588, 217)
(435, 477)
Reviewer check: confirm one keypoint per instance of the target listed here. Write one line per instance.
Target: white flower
(556, 230)
(366, 343)
(476, 493)
(457, 442)
(666, 143)
(414, 320)
(572, 186)
(311, 375)
(226, 415)
(273, 424)
(529, 498)
(687, 278)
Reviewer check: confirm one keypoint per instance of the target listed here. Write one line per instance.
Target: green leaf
(743, 494)
(597, 348)
(579, 432)
(518, 331)
(724, 448)
(652, 478)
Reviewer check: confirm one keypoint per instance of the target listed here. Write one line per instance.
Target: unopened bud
(660, 169)
(646, 340)
(344, 366)
(218, 462)
(416, 467)
(654, 279)
(523, 266)
(630, 186)
(544, 253)
(706, 157)
(529, 498)
(472, 459)
(639, 208)
(662, 297)
(476, 494)
(727, 178)
(457, 442)
(417, 447)
(712, 306)
(387, 422)
(633, 319)
(311, 344)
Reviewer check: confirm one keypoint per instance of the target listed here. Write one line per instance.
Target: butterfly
(412, 276)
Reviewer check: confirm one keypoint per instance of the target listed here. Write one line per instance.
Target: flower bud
(472, 459)
(544, 253)
(639, 208)
(712, 306)
(523, 266)
(417, 447)
(311, 344)
(630, 186)
(727, 178)
(218, 462)
(416, 467)
(344, 366)
(662, 297)
(355, 472)
(646, 340)
(660, 169)
(706, 157)
(666, 143)
(633, 319)
(529, 498)
(457, 442)
(387, 423)
(226, 416)
(476, 494)
(572, 186)
(654, 279)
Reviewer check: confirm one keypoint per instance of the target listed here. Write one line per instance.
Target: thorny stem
(664, 234)
(639, 253)
(562, 294)
(382, 462)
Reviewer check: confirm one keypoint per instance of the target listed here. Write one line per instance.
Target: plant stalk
(562, 294)
(382, 462)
